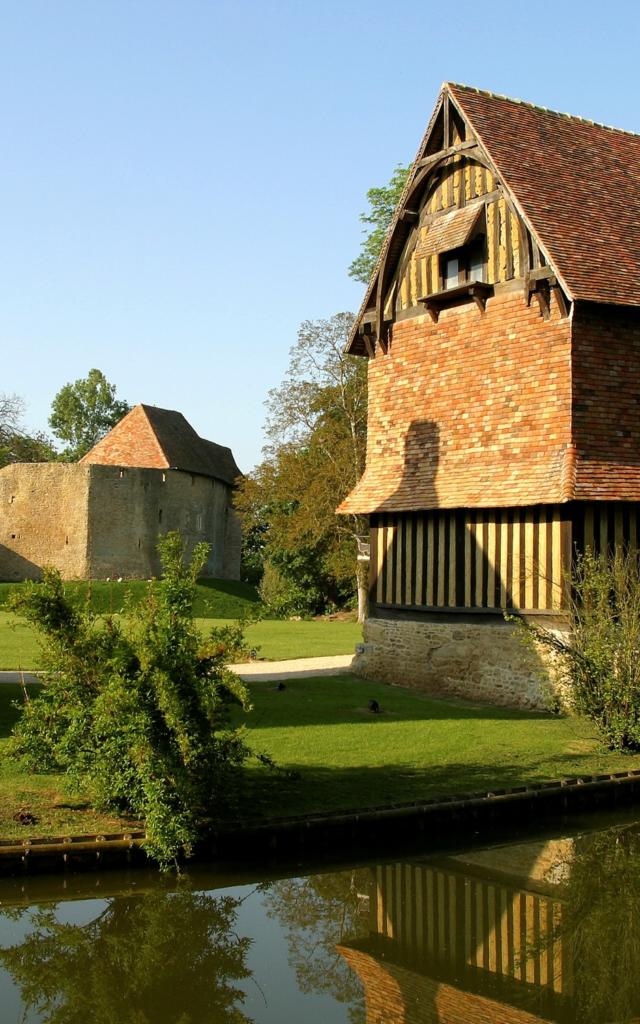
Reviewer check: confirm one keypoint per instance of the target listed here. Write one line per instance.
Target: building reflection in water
(519, 934)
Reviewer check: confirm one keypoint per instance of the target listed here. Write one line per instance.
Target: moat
(535, 927)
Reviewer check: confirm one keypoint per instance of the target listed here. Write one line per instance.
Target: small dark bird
(374, 707)
(25, 817)
(280, 687)
(253, 654)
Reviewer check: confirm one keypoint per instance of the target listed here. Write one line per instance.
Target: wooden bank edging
(432, 822)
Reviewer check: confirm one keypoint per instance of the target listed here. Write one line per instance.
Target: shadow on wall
(461, 568)
(14, 568)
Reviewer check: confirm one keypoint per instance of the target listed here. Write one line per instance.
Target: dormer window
(463, 266)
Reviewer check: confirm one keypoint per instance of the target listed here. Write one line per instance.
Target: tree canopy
(16, 443)
(83, 412)
(315, 453)
(382, 204)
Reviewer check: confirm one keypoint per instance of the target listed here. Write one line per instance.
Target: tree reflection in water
(145, 959)
(600, 925)
(316, 914)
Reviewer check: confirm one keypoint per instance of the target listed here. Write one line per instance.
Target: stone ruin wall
(94, 522)
(43, 520)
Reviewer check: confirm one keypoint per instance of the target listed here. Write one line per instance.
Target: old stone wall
(94, 521)
(486, 661)
(130, 509)
(43, 520)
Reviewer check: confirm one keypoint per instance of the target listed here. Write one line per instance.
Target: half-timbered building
(502, 331)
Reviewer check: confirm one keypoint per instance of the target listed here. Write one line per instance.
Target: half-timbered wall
(462, 182)
(490, 558)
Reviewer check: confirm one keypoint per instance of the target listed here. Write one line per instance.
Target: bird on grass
(374, 707)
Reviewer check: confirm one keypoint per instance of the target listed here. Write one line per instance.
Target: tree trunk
(362, 580)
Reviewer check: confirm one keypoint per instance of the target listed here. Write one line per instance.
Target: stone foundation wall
(486, 661)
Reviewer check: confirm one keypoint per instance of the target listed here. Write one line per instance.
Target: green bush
(601, 651)
(137, 708)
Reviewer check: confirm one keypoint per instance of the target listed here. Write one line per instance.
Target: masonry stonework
(487, 662)
(43, 520)
(99, 521)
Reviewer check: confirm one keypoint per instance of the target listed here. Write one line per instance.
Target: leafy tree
(137, 709)
(160, 955)
(83, 412)
(599, 659)
(316, 432)
(16, 444)
(382, 205)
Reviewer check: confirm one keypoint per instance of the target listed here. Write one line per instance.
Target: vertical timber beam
(373, 560)
(566, 540)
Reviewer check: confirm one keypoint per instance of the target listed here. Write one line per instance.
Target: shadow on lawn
(319, 790)
(344, 700)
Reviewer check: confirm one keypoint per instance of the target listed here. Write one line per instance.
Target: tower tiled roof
(153, 438)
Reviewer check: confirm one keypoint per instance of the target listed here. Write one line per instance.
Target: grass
(345, 756)
(275, 639)
(416, 748)
(221, 599)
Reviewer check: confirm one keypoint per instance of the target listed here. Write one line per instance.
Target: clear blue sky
(180, 182)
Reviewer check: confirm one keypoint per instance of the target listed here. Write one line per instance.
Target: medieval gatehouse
(502, 333)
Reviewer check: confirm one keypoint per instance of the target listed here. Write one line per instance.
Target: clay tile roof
(577, 184)
(149, 437)
(186, 450)
(451, 230)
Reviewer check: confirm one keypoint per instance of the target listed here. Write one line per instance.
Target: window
(462, 266)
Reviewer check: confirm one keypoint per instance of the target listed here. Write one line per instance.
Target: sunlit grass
(273, 639)
(343, 756)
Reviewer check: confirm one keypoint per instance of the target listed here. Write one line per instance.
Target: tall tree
(83, 412)
(316, 432)
(16, 443)
(382, 205)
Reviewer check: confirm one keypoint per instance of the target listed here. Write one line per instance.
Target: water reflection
(170, 956)
(545, 930)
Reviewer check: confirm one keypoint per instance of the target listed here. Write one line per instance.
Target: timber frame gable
(453, 172)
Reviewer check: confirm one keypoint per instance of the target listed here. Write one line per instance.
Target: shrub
(601, 651)
(137, 709)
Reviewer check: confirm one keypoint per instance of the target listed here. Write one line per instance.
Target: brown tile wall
(606, 402)
(474, 410)
(395, 995)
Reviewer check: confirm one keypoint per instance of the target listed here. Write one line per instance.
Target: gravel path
(267, 671)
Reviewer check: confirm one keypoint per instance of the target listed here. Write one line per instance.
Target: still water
(537, 928)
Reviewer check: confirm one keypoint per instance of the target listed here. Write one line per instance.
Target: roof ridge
(156, 439)
(538, 106)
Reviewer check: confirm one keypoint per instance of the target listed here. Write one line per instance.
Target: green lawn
(274, 638)
(223, 599)
(346, 757)
(415, 748)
